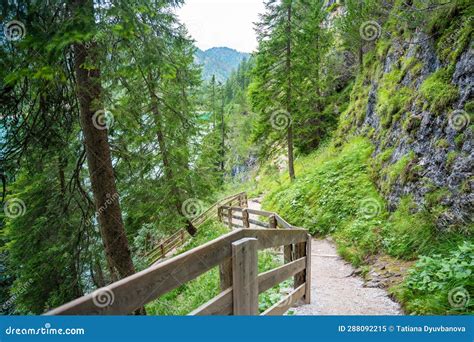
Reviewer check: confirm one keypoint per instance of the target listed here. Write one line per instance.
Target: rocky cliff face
(414, 99)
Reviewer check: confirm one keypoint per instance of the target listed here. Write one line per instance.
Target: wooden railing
(180, 237)
(236, 254)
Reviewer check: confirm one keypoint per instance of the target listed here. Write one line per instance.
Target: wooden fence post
(288, 253)
(300, 252)
(162, 247)
(225, 274)
(245, 218)
(307, 296)
(272, 221)
(219, 213)
(229, 217)
(182, 237)
(244, 277)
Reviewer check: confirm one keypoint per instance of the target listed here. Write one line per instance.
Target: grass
(193, 294)
(334, 194)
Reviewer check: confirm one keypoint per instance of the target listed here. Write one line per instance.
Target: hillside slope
(219, 61)
(395, 181)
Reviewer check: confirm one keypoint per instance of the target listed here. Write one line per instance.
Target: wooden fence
(180, 237)
(236, 255)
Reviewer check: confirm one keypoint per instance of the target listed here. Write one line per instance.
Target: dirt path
(335, 291)
(334, 288)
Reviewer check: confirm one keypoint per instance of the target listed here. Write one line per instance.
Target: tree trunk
(291, 167)
(88, 88)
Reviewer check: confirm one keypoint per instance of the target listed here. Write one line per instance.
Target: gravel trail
(335, 291)
(334, 288)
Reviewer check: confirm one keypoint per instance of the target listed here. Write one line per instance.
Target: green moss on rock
(438, 90)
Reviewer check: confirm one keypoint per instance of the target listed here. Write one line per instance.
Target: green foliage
(393, 99)
(288, 83)
(451, 24)
(441, 284)
(46, 229)
(451, 157)
(399, 170)
(331, 195)
(408, 233)
(191, 295)
(438, 91)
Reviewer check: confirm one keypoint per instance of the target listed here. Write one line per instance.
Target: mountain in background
(219, 61)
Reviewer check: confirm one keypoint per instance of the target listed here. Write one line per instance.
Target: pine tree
(274, 91)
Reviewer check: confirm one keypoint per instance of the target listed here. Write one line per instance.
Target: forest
(352, 119)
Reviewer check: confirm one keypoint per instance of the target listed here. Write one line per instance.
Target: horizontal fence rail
(236, 255)
(179, 238)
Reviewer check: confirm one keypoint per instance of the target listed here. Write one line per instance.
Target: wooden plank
(246, 200)
(244, 277)
(229, 218)
(300, 252)
(225, 274)
(220, 305)
(245, 218)
(260, 212)
(307, 295)
(133, 292)
(236, 225)
(259, 223)
(288, 253)
(237, 217)
(283, 223)
(205, 215)
(154, 253)
(273, 277)
(270, 238)
(272, 222)
(238, 209)
(283, 305)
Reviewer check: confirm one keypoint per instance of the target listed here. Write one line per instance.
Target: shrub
(441, 284)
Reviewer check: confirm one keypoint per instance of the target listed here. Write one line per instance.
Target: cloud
(214, 23)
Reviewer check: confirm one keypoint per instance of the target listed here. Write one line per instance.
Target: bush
(441, 284)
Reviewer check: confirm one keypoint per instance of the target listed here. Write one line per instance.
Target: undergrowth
(440, 284)
(334, 194)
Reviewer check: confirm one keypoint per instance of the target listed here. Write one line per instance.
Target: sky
(215, 23)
